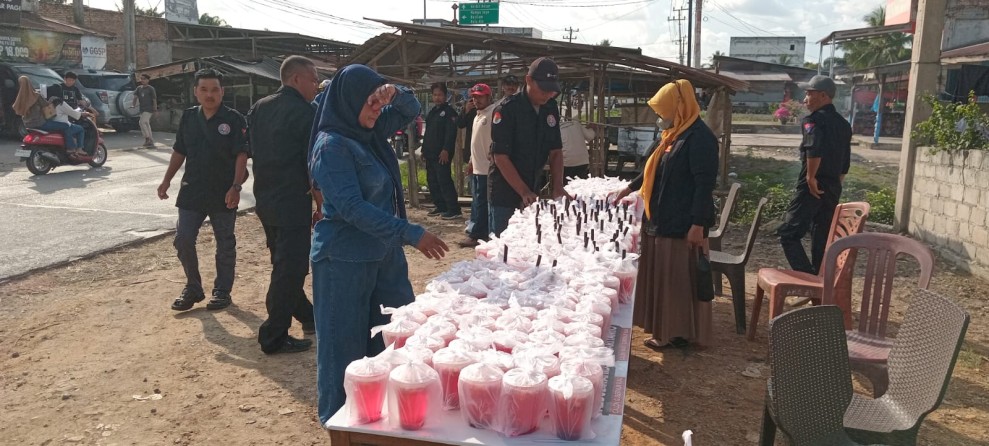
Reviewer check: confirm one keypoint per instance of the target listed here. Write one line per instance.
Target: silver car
(112, 94)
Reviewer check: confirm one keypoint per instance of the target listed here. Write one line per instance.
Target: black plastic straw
(539, 259)
(504, 256)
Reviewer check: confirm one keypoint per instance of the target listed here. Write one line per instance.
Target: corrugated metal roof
(977, 51)
(41, 23)
(266, 67)
(758, 77)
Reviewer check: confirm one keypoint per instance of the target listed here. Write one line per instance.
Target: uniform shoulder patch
(809, 127)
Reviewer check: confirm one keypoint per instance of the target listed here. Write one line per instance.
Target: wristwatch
(237, 187)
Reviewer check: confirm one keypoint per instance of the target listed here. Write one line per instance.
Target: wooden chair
(849, 218)
(733, 266)
(868, 347)
(715, 235)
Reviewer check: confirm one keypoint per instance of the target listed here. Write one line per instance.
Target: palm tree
(150, 12)
(711, 60)
(878, 50)
(212, 20)
(605, 42)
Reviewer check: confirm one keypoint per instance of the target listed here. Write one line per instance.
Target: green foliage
(212, 20)
(149, 12)
(420, 175)
(879, 50)
(755, 187)
(954, 127)
(883, 205)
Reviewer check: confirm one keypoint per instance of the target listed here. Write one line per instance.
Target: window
(793, 47)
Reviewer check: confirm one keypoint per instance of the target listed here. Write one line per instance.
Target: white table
(450, 429)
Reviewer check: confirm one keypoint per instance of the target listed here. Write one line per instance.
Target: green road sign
(478, 13)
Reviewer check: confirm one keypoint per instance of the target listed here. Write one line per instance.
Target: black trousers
(439, 179)
(186, 235)
(807, 213)
(289, 247)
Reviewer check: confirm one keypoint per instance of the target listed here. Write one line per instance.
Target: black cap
(820, 83)
(546, 74)
(510, 80)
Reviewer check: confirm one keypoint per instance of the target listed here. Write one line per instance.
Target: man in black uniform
(68, 90)
(278, 131)
(825, 153)
(525, 133)
(437, 149)
(212, 138)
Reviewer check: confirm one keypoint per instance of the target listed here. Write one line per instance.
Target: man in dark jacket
(437, 150)
(278, 130)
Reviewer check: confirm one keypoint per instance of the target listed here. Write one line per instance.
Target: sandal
(653, 344)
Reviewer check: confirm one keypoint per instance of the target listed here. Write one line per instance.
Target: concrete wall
(152, 34)
(769, 49)
(949, 206)
(966, 23)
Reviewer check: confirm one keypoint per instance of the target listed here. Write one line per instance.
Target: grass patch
(421, 175)
(970, 360)
(775, 180)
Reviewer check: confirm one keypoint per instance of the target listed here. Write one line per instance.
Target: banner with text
(42, 47)
(10, 12)
(93, 52)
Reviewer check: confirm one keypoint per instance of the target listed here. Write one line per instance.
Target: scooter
(398, 142)
(44, 151)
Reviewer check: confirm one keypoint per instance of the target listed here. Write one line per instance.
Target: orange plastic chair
(849, 218)
(868, 347)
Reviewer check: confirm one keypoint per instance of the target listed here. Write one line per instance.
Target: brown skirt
(665, 292)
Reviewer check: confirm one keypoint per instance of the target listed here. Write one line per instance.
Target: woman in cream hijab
(677, 185)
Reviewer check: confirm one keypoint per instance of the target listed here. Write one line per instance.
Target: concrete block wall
(949, 206)
(150, 31)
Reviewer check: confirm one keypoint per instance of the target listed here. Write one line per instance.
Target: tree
(878, 50)
(149, 12)
(784, 59)
(605, 42)
(212, 20)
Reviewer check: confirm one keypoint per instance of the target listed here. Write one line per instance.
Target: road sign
(478, 13)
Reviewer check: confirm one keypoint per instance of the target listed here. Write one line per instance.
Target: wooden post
(725, 140)
(925, 67)
(598, 165)
(602, 145)
(410, 137)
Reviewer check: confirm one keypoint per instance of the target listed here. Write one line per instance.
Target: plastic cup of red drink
(479, 392)
(571, 402)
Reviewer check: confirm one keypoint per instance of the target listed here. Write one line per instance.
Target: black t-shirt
(278, 131)
(527, 137)
(441, 131)
(210, 148)
(71, 95)
(828, 136)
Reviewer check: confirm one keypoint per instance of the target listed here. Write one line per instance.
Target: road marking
(106, 211)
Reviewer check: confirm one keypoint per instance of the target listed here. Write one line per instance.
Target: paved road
(75, 211)
(788, 144)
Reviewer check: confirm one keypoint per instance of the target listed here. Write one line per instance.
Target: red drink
(571, 405)
(523, 401)
(448, 363)
(479, 391)
(626, 279)
(364, 383)
(595, 374)
(411, 386)
(413, 403)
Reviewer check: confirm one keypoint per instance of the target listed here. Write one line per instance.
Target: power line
(679, 27)
(571, 30)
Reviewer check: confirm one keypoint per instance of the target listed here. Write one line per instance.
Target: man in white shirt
(478, 165)
(575, 154)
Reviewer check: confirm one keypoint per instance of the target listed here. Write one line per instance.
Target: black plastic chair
(810, 384)
(733, 266)
(715, 235)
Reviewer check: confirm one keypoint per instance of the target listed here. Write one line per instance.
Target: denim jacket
(361, 221)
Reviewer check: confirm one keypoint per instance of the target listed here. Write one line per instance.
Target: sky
(641, 24)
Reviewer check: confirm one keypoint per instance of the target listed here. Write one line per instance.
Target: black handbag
(705, 283)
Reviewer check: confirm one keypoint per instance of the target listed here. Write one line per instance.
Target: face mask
(664, 124)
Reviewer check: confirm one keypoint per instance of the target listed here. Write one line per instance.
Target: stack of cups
(364, 382)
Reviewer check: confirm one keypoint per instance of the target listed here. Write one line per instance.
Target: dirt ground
(91, 354)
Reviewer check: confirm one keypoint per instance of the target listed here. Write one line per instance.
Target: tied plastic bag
(396, 332)
(582, 327)
(405, 312)
(522, 405)
(538, 359)
(433, 343)
(478, 337)
(488, 309)
(467, 321)
(506, 340)
(626, 272)
(409, 353)
(514, 321)
(588, 317)
(583, 340)
(502, 360)
(448, 364)
(413, 395)
(364, 382)
(570, 407)
(440, 327)
(479, 389)
(592, 368)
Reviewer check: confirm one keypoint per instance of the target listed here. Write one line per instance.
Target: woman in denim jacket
(357, 259)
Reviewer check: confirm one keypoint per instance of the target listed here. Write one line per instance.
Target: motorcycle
(44, 151)
(399, 142)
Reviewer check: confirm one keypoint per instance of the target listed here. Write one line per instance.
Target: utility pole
(130, 42)
(679, 19)
(696, 46)
(571, 30)
(77, 13)
(925, 67)
(690, 31)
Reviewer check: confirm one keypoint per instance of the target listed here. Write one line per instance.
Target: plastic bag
(582, 327)
(479, 390)
(396, 332)
(538, 359)
(433, 343)
(583, 340)
(514, 322)
(448, 364)
(365, 382)
(570, 407)
(405, 312)
(522, 405)
(439, 326)
(413, 395)
(506, 340)
(478, 337)
(474, 320)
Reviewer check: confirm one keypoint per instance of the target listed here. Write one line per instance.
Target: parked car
(40, 76)
(112, 94)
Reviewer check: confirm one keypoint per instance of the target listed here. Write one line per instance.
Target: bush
(756, 187)
(883, 205)
(954, 127)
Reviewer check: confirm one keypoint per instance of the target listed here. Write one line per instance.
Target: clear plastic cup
(412, 387)
(448, 363)
(523, 401)
(571, 403)
(479, 392)
(365, 382)
(593, 372)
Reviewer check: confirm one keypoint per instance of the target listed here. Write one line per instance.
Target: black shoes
(220, 300)
(436, 212)
(187, 299)
(452, 216)
(309, 328)
(292, 345)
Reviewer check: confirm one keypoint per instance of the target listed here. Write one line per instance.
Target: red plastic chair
(849, 218)
(868, 347)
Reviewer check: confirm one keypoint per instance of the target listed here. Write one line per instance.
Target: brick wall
(112, 22)
(949, 206)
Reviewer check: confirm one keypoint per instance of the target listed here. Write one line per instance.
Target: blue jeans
(477, 229)
(346, 300)
(498, 218)
(74, 134)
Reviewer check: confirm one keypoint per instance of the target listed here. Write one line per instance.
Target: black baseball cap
(820, 83)
(546, 74)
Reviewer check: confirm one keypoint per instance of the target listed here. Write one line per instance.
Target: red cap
(480, 90)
